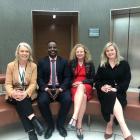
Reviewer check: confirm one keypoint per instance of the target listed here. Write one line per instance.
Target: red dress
(80, 73)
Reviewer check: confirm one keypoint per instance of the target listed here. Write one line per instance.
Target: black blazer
(90, 71)
(62, 71)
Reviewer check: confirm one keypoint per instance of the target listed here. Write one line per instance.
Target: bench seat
(8, 114)
(2, 78)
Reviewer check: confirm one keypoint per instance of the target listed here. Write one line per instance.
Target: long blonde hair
(104, 59)
(25, 45)
(87, 53)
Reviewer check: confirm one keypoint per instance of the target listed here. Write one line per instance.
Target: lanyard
(22, 74)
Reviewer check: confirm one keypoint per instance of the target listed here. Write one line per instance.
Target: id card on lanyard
(22, 77)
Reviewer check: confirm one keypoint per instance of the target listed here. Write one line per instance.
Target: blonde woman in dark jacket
(112, 81)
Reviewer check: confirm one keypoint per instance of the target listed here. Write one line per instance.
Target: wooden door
(63, 30)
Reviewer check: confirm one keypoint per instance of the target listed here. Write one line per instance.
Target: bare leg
(78, 99)
(118, 112)
(81, 112)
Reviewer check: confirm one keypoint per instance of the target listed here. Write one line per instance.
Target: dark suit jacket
(62, 71)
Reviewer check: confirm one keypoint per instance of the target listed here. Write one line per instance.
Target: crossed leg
(80, 100)
(118, 113)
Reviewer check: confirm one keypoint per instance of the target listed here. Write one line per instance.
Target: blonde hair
(28, 47)
(87, 53)
(104, 59)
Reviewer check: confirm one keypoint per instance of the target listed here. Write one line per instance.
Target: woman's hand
(114, 89)
(106, 88)
(22, 96)
(15, 94)
(19, 95)
(75, 84)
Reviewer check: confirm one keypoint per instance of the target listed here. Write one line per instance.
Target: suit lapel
(58, 65)
(28, 72)
(47, 63)
(15, 72)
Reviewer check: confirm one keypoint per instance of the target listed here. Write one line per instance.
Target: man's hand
(53, 92)
(56, 93)
(49, 91)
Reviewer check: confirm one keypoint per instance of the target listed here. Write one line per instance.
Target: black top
(118, 77)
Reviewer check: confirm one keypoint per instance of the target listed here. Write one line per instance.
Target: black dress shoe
(32, 135)
(62, 131)
(38, 126)
(48, 132)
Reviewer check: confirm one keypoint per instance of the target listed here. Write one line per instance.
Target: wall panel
(126, 33)
(134, 48)
(120, 32)
(16, 22)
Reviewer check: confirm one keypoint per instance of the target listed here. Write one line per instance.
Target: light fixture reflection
(52, 26)
(54, 16)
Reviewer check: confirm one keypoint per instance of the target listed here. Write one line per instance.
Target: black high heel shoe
(79, 132)
(72, 123)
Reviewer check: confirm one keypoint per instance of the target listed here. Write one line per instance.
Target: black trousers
(44, 101)
(24, 109)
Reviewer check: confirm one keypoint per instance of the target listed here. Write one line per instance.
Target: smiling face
(111, 52)
(80, 53)
(23, 53)
(52, 49)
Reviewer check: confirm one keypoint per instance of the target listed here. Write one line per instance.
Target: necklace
(80, 64)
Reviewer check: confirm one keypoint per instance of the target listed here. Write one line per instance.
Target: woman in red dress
(82, 72)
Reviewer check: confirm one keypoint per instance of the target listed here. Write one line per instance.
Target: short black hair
(52, 41)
